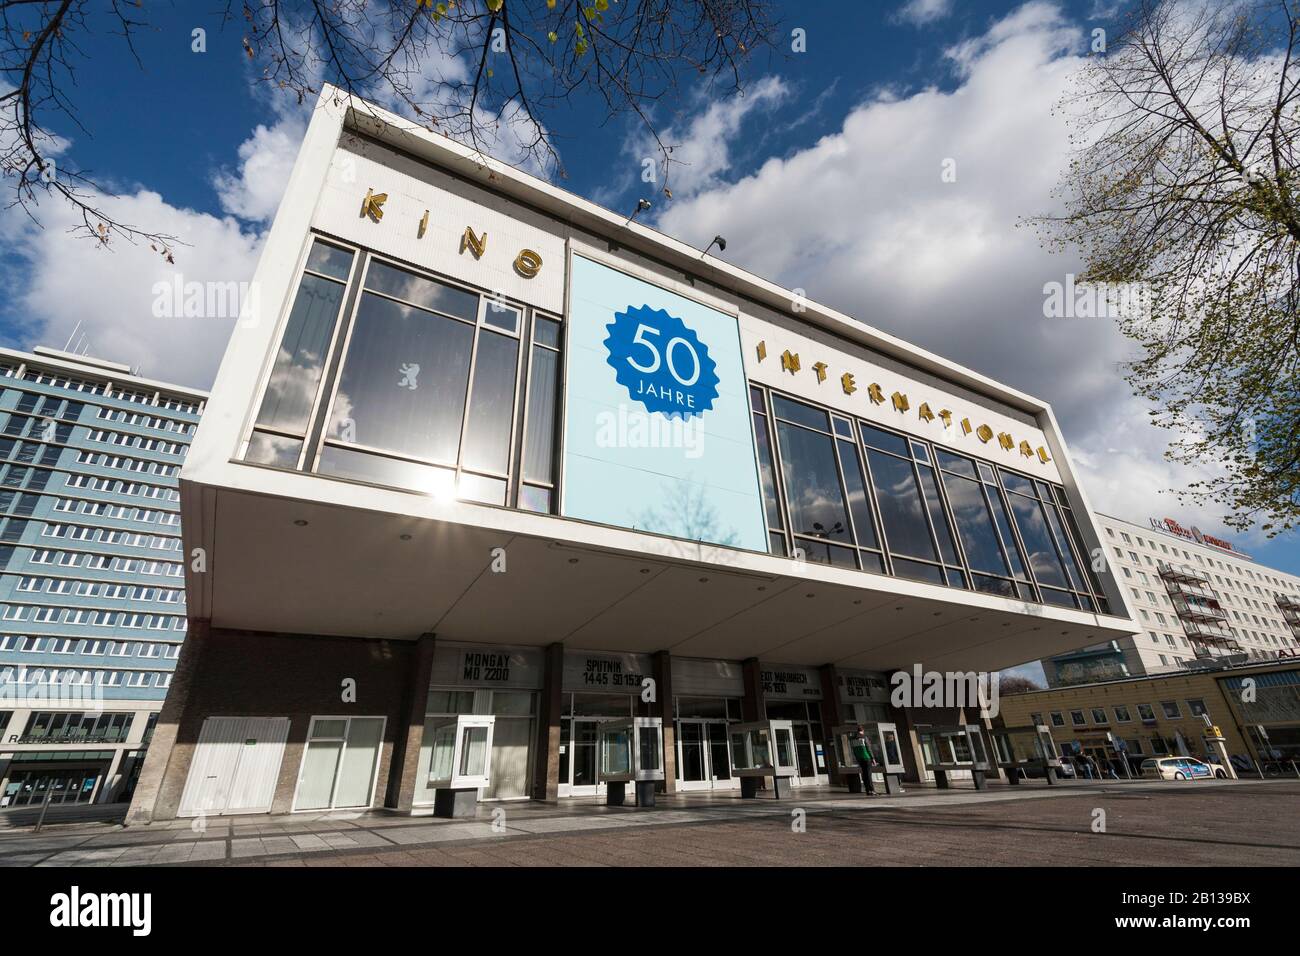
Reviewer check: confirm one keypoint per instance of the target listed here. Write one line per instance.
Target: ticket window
(513, 738)
(461, 753)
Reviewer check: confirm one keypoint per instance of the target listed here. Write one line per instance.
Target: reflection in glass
(864, 526)
(901, 511)
(539, 427)
(767, 472)
(403, 383)
(938, 517)
(275, 450)
(1043, 560)
(975, 526)
(301, 356)
(421, 291)
(812, 484)
(492, 403)
(329, 260)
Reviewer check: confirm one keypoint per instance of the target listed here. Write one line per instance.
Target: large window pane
(403, 384)
(492, 404)
(1063, 545)
(812, 484)
(855, 485)
(938, 517)
(767, 472)
(1004, 527)
(360, 757)
(421, 291)
(1043, 560)
(902, 512)
(539, 430)
(799, 412)
(975, 526)
(301, 357)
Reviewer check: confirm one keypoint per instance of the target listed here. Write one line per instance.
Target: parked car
(1176, 768)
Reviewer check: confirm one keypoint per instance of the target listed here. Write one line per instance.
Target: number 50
(674, 345)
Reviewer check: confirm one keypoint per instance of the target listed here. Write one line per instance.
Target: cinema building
(492, 449)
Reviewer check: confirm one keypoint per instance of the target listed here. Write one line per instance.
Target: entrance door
(235, 766)
(583, 763)
(693, 755)
(703, 757)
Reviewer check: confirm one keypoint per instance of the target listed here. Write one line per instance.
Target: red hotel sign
(1191, 534)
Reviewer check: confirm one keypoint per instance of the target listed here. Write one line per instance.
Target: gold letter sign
(476, 244)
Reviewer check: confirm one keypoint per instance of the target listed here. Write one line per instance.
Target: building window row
(124, 417)
(94, 647)
(126, 463)
(105, 589)
(848, 493)
(56, 614)
(83, 677)
(106, 509)
(119, 487)
(395, 377)
(141, 442)
(131, 539)
(104, 562)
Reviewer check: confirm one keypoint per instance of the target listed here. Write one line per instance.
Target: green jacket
(861, 751)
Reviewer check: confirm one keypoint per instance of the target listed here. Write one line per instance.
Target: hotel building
(489, 448)
(1197, 600)
(92, 599)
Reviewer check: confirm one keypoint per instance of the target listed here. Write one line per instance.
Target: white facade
(1254, 600)
(327, 541)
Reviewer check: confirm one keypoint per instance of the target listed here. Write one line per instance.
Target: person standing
(862, 751)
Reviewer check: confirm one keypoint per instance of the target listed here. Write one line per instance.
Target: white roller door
(235, 766)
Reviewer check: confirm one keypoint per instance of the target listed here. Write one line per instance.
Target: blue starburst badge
(661, 362)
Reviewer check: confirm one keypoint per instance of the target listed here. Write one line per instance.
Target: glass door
(692, 755)
(583, 738)
(720, 757)
(804, 755)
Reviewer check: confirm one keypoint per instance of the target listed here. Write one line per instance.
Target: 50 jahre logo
(661, 362)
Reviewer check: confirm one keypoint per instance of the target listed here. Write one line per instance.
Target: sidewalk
(215, 840)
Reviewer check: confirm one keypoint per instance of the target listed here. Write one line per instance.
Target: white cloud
(266, 158)
(65, 280)
(862, 220)
(701, 152)
(921, 12)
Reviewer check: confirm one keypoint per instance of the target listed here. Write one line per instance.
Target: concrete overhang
(333, 558)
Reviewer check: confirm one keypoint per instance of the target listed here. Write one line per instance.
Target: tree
(1183, 179)
(1016, 684)
(476, 70)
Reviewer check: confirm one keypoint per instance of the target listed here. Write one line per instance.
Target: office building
(92, 600)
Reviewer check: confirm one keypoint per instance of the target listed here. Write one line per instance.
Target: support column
(751, 705)
(406, 751)
(159, 755)
(663, 708)
(113, 779)
(831, 718)
(546, 766)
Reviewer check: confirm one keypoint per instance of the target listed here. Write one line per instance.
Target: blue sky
(825, 176)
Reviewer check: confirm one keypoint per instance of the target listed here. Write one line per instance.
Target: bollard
(49, 792)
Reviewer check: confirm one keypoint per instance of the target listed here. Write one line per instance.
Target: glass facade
(92, 591)
(395, 377)
(852, 494)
